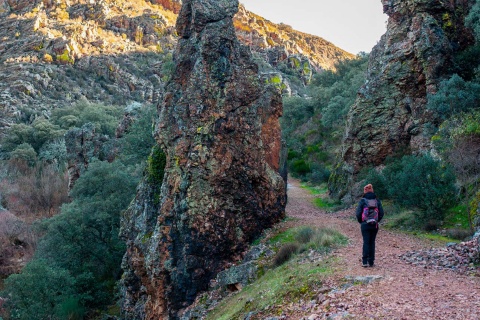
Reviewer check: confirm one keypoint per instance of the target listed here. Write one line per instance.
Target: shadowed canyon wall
(411, 59)
(219, 128)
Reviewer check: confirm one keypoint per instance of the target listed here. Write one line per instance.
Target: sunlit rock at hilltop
(219, 127)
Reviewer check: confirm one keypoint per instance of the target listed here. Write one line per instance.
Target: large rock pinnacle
(219, 128)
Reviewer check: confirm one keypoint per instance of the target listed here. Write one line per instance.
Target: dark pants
(369, 233)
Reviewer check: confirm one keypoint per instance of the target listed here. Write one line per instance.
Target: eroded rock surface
(219, 128)
(409, 62)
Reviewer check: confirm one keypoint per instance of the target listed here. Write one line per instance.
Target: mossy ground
(322, 201)
(289, 282)
(296, 279)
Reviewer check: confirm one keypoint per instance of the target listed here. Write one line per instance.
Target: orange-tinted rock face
(219, 128)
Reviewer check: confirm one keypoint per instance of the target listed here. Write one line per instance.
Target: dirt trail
(404, 292)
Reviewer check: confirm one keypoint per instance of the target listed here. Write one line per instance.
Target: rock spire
(219, 128)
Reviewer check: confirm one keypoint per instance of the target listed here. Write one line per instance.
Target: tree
(421, 182)
(42, 291)
(454, 95)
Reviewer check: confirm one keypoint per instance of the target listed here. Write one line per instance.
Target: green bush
(300, 167)
(36, 135)
(473, 19)
(24, 152)
(421, 182)
(81, 245)
(138, 141)
(42, 291)
(454, 95)
(105, 118)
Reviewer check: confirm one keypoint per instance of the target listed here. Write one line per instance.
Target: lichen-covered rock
(411, 59)
(83, 145)
(219, 127)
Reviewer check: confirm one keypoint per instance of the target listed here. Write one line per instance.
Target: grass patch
(435, 237)
(289, 282)
(457, 217)
(315, 190)
(301, 239)
(325, 203)
(321, 201)
(287, 236)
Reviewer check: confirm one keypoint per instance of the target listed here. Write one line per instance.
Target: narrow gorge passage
(405, 291)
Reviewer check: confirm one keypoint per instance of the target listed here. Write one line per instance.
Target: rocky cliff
(276, 42)
(411, 59)
(219, 128)
(54, 53)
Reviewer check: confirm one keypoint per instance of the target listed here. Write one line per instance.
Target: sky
(353, 25)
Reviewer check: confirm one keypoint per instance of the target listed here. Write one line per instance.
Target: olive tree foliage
(421, 182)
(42, 291)
(458, 141)
(473, 19)
(81, 246)
(454, 96)
(313, 125)
(104, 117)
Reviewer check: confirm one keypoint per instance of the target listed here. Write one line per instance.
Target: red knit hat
(368, 188)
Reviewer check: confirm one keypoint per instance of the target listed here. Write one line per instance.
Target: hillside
(54, 53)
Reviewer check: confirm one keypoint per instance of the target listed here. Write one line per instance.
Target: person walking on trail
(369, 213)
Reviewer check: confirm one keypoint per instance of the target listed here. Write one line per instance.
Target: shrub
(304, 234)
(39, 192)
(473, 19)
(36, 135)
(454, 95)
(421, 182)
(300, 167)
(138, 141)
(41, 290)
(24, 152)
(105, 118)
(286, 252)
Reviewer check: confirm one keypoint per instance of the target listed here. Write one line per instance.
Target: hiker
(369, 214)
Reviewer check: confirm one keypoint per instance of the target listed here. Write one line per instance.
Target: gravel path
(404, 291)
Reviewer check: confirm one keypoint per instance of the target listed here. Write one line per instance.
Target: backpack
(370, 212)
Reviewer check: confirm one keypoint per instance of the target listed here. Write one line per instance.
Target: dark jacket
(363, 203)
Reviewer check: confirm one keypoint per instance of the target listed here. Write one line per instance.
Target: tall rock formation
(219, 128)
(411, 59)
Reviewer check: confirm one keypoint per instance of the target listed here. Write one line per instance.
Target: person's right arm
(358, 213)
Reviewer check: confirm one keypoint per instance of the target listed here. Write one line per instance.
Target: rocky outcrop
(279, 41)
(408, 63)
(83, 145)
(219, 128)
(56, 53)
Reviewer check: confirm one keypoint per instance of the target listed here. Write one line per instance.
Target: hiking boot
(371, 265)
(364, 265)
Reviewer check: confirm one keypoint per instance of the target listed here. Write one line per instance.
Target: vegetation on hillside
(287, 276)
(313, 125)
(428, 186)
(77, 261)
